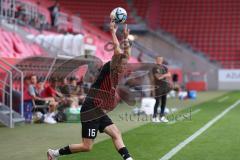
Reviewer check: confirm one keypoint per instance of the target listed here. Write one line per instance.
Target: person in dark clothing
(160, 74)
(100, 99)
(54, 10)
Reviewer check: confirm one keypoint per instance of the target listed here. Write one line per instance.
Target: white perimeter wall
(229, 79)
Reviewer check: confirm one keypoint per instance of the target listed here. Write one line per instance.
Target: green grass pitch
(145, 141)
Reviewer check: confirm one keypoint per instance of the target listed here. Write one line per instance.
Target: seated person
(35, 90)
(75, 92)
(63, 87)
(46, 94)
(53, 90)
(72, 91)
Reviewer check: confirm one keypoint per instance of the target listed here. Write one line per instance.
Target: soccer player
(160, 74)
(101, 98)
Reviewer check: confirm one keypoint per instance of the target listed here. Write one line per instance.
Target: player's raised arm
(126, 46)
(113, 30)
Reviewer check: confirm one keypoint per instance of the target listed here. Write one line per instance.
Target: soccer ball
(119, 15)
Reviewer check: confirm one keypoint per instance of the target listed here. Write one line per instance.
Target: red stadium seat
(209, 26)
(95, 11)
(12, 46)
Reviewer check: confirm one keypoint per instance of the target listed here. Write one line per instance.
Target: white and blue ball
(119, 15)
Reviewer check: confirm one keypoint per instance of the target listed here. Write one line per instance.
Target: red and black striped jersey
(102, 93)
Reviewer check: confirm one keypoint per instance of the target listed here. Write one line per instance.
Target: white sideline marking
(223, 99)
(181, 145)
(185, 116)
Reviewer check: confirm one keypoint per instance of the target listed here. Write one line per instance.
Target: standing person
(160, 74)
(54, 10)
(98, 101)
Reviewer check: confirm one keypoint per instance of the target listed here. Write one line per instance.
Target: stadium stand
(99, 12)
(13, 46)
(209, 26)
(67, 22)
(141, 7)
(21, 19)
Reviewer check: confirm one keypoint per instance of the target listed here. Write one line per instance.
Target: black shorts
(90, 128)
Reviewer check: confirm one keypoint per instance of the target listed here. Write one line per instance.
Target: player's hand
(113, 27)
(125, 31)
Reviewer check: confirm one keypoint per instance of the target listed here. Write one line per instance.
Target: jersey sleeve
(31, 90)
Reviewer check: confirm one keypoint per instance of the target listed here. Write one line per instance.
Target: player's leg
(116, 136)
(163, 106)
(85, 146)
(89, 133)
(155, 111)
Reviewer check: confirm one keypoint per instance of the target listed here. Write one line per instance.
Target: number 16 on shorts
(91, 132)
